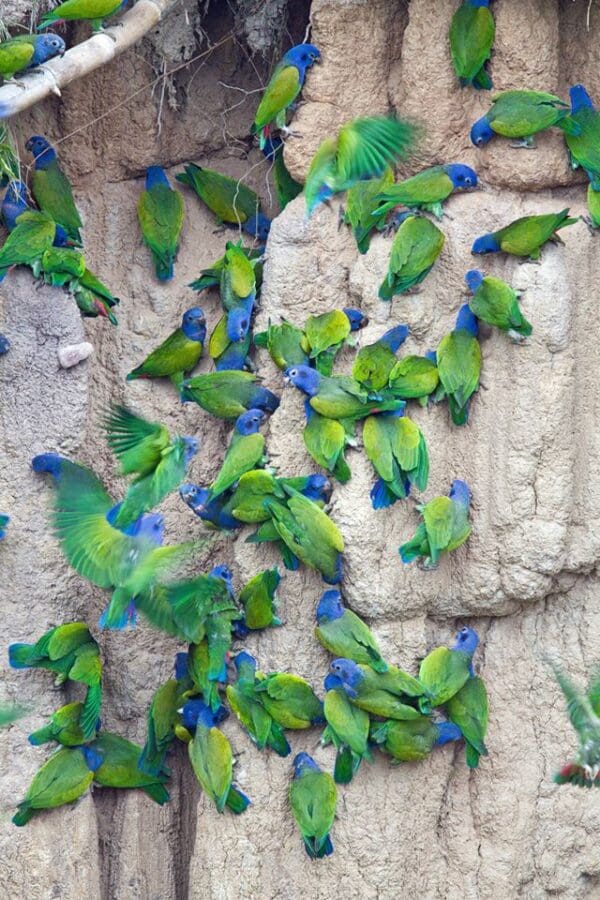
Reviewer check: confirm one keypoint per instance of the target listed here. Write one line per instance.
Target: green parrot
(495, 302)
(326, 440)
(61, 265)
(120, 767)
(389, 694)
(227, 354)
(211, 757)
(286, 344)
(25, 52)
(94, 11)
(247, 500)
(199, 664)
(313, 799)
(415, 248)
(163, 716)
(258, 598)
(25, 245)
(146, 451)
(519, 115)
(286, 186)
(363, 149)
(160, 214)
(525, 236)
(468, 709)
(339, 397)
(444, 671)
(211, 277)
(229, 199)
(582, 134)
(345, 634)
(289, 700)
(72, 653)
(245, 452)
(327, 333)
(238, 290)
(375, 362)
(413, 739)
(64, 728)
(459, 365)
(50, 186)
(228, 394)
(396, 447)
(63, 778)
(415, 377)
(584, 715)
(593, 203)
(362, 202)
(444, 528)
(284, 85)
(179, 353)
(427, 190)
(93, 297)
(471, 36)
(348, 730)
(246, 701)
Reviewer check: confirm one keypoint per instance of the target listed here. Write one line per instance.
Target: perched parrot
(584, 715)
(518, 115)
(339, 397)
(286, 345)
(93, 298)
(362, 201)
(128, 562)
(211, 757)
(61, 265)
(313, 799)
(64, 728)
(374, 363)
(163, 716)
(415, 248)
(247, 704)
(146, 451)
(216, 514)
(289, 700)
(72, 653)
(459, 365)
(238, 291)
(25, 245)
(326, 333)
(198, 664)
(258, 598)
(286, 186)
(28, 51)
(525, 236)
(326, 440)
(226, 354)
(211, 277)
(471, 35)
(468, 709)
(179, 353)
(396, 447)
(495, 302)
(94, 11)
(445, 527)
(50, 186)
(415, 377)
(582, 134)
(347, 729)
(228, 394)
(160, 214)
(285, 84)
(363, 149)
(444, 671)
(345, 634)
(63, 778)
(253, 488)
(390, 694)
(427, 190)
(120, 767)
(245, 452)
(229, 199)
(413, 739)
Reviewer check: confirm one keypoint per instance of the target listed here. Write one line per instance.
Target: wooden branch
(83, 58)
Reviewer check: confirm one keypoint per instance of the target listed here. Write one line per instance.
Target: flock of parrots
(118, 546)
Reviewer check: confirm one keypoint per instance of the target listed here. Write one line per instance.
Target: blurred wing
(366, 146)
(137, 443)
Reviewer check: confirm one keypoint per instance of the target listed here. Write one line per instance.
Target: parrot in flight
(584, 714)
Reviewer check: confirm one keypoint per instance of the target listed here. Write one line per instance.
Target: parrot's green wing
(579, 707)
(65, 639)
(160, 214)
(138, 444)
(212, 761)
(290, 700)
(62, 779)
(282, 89)
(15, 55)
(523, 113)
(148, 491)
(321, 171)
(362, 201)
(244, 453)
(237, 277)
(438, 516)
(350, 724)
(255, 719)
(247, 500)
(313, 799)
(468, 709)
(366, 146)
(594, 693)
(54, 196)
(33, 234)
(161, 720)
(326, 439)
(413, 377)
(176, 354)
(428, 187)
(471, 36)
(459, 365)
(443, 673)
(285, 344)
(373, 365)
(525, 236)
(224, 394)
(417, 245)
(258, 599)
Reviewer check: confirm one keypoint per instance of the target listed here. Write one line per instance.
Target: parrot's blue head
(181, 666)
(16, 192)
(332, 683)
(238, 323)
(61, 238)
(473, 279)
(580, 99)
(93, 758)
(431, 355)
(4, 344)
(466, 641)
(330, 607)
(347, 671)
(466, 320)
(193, 324)
(303, 56)
(447, 732)
(462, 177)
(249, 422)
(478, 3)
(395, 337)
(318, 487)
(304, 378)
(487, 243)
(156, 175)
(194, 495)
(356, 318)
(191, 446)
(481, 132)
(47, 46)
(245, 664)
(196, 711)
(304, 763)
(225, 574)
(263, 398)
(43, 152)
(48, 462)
(460, 492)
(151, 527)
(258, 226)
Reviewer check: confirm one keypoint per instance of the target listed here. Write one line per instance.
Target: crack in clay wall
(527, 579)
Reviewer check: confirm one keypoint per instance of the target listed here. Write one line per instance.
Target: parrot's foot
(517, 338)
(591, 772)
(341, 217)
(16, 83)
(525, 144)
(413, 291)
(427, 566)
(593, 229)
(288, 132)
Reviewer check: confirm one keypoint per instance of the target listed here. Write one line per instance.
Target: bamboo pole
(82, 59)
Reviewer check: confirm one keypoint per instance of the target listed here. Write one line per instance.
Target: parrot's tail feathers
(341, 470)
(318, 850)
(472, 756)
(344, 768)
(482, 81)
(158, 793)
(290, 560)
(41, 736)
(49, 19)
(277, 741)
(458, 414)
(386, 289)
(20, 656)
(151, 761)
(164, 269)
(381, 495)
(23, 815)
(237, 801)
(410, 551)
(379, 732)
(112, 618)
(377, 663)
(88, 720)
(338, 573)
